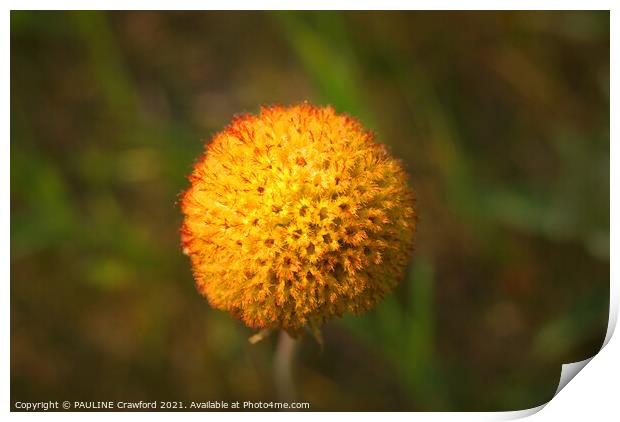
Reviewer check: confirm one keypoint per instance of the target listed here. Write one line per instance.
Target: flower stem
(283, 367)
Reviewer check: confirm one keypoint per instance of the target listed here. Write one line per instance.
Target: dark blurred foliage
(502, 120)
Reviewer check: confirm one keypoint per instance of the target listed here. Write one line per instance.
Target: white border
(313, 5)
(592, 394)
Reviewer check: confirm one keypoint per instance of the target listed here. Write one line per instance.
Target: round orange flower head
(295, 216)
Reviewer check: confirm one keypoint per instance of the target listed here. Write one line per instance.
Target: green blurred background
(502, 120)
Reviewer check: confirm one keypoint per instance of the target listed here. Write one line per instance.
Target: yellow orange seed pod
(295, 216)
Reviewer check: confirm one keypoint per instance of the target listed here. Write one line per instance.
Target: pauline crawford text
(156, 405)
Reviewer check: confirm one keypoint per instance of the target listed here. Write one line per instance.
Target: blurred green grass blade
(405, 334)
(320, 42)
(423, 370)
(421, 321)
(106, 64)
